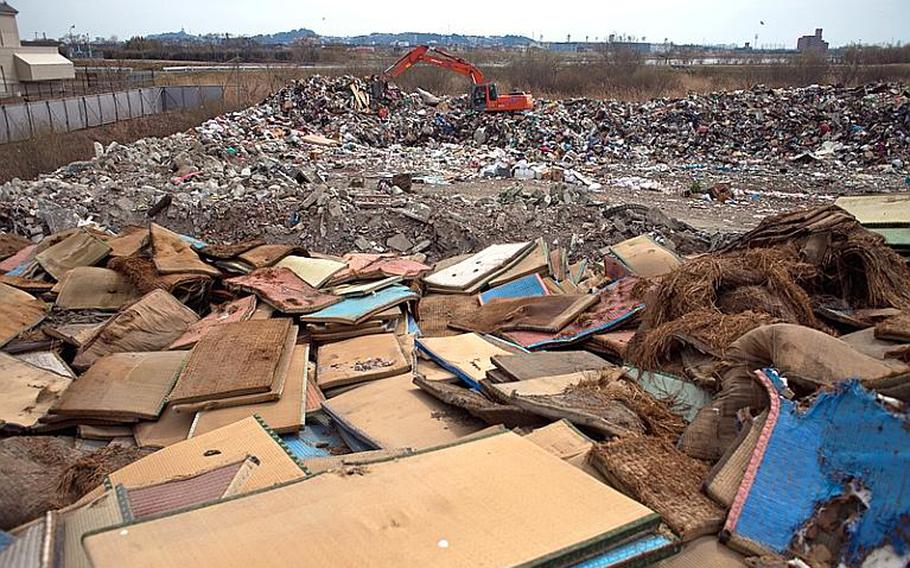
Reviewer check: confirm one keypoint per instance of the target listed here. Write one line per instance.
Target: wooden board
(19, 311)
(233, 360)
(123, 386)
(284, 415)
(360, 359)
(465, 505)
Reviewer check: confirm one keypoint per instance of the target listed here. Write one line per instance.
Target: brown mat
(27, 392)
(227, 252)
(283, 416)
(170, 428)
(19, 311)
(10, 244)
(469, 353)
(173, 255)
(566, 442)
(27, 284)
(576, 398)
(234, 359)
(90, 287)
(79, 249)
(524, 366)
(542, 313)
(464, 505)
(476, 404)
(705, 552)
(896, 328)
(123, 386)
(360, 359)
(723, 482)
(129, 241)
(395, 413)
(232, 312)
(267, 255)
(644, 257)
(218, 448)
(89, 432)
(437, 310)
(660, 476)
(150, 324)
(283, 290)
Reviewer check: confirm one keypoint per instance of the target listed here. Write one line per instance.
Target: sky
(775, 22)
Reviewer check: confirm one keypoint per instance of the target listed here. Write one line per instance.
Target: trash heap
(172, 401)
(315, 164)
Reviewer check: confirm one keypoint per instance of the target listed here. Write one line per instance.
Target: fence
(22, 121)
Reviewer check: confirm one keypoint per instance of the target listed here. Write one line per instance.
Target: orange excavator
(483, 93)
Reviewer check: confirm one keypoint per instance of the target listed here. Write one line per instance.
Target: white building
(26, 64)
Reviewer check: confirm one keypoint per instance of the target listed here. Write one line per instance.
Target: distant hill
(410, 38)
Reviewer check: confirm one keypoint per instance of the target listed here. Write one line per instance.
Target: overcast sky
(682, 21)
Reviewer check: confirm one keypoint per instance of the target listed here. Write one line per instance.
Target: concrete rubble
(298, 334)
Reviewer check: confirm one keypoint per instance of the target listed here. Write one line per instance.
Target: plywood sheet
(217, 448)
(27, 392)
(19, 311)
(283, 290)
(313, 271)
(91, 287)
(524, 366)
(232, 312)
(173, 255)
(234, 359)
(123, 386)
(476, 268)
(468, 356)
(419, 504)
(395, 413)
(360, 359)
(150, 324)
(78, 249)
(284, 415)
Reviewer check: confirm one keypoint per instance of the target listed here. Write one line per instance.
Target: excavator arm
(433, 56)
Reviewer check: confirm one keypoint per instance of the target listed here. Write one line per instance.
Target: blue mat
(650, 547)
(845, 443)
(525, 287)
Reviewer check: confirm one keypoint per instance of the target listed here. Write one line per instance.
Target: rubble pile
(316, 165)
(162, 388)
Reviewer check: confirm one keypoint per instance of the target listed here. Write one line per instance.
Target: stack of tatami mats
(462, 505)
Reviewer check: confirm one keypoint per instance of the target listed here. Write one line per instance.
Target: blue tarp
(847, 438)
(525, 287)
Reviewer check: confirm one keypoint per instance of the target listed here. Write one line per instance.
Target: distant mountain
(410, 38)
(419, 38)
(285, 37)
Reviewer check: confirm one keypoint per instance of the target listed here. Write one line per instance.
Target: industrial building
(20, 64)
(812, 43)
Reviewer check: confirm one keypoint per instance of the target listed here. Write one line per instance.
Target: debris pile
(162, 388)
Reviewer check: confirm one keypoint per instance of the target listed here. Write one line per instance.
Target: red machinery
(483, 93)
